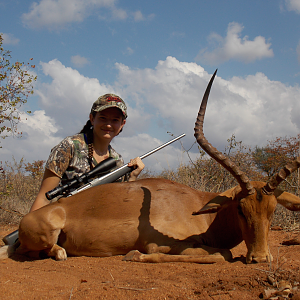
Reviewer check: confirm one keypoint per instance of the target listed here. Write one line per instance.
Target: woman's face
(107, 123)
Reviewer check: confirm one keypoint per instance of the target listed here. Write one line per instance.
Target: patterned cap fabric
(107, 101)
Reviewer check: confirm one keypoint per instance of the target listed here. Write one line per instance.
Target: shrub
(19, 186)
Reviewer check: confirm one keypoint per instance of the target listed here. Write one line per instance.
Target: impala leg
(137, 256)
(188, 248)
(58, 252)
(44, 243)
(206, 250)
(179, 252)
(55, 251)
(39, 231)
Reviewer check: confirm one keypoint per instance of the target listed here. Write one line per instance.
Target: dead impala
(150, 218)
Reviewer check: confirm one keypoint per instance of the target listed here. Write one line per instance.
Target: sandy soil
(112, 278)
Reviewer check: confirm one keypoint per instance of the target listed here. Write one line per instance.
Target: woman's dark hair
(88, 131)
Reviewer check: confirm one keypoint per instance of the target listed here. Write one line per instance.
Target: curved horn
(240, 176)
(275, 180)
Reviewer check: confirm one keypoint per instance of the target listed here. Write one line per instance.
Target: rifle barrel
(162, 146)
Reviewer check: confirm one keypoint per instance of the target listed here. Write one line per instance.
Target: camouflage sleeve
(60, 157)
(120, 163)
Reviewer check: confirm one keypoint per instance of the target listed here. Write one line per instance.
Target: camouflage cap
(107, 101)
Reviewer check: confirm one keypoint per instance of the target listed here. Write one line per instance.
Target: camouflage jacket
(70, 158)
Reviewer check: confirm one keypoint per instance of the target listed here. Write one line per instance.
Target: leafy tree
(263, 157)
(276, 154)
(16, 84)
(36, 169)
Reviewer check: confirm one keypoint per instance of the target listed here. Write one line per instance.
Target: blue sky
(158, 56)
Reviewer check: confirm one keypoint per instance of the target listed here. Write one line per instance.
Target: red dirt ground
(112, 278)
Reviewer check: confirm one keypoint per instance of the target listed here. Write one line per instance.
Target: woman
(78, 154)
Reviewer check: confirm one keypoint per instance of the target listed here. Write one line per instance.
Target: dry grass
(19, 186)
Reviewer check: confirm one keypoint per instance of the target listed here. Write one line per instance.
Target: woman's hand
(138, 166)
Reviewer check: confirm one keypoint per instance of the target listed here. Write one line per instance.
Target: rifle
(87, 180)
(65, 190)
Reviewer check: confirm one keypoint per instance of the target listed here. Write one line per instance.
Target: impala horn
(274, 181)
(240, 176)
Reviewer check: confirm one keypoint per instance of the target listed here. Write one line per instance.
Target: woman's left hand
(138, 166)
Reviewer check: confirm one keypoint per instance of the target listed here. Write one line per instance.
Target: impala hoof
(133, 255)
(61, 254)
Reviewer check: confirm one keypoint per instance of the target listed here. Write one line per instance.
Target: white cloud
(293, 5)
(69, 97)
(39, 122)
(79, 61)
(55, 14)
(233, 47)
(9, 39)
(38, 137)
(255, 108)
(160, 100)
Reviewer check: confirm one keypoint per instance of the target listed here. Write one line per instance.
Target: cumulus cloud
(39, 122)
(255, 108)
(293, 5)
(79, 61)
(69, 94)
(55, 14)
(38, 137)
(160, 100)
(9, 39)
(233, 47)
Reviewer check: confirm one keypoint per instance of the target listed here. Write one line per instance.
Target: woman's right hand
(138, 166)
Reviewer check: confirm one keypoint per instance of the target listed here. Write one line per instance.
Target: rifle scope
(102, 168)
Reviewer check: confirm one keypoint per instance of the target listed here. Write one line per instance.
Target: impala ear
(288, 200)
(208, 209)
(214, 205)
